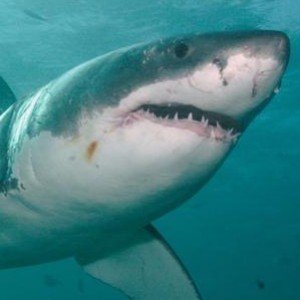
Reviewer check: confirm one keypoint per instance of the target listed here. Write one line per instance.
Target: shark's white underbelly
(54, 206)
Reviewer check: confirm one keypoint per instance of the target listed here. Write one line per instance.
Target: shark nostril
(181, 50)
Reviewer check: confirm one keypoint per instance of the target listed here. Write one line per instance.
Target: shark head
(225, 77)
(136, 132)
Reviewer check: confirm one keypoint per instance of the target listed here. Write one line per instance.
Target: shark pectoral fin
(7, 97)
(146, 268)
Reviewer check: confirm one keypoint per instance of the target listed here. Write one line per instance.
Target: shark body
(92, 158)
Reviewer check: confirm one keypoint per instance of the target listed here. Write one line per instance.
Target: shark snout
(269, 44)
(238, 72)
(268, 53)
(275, 44)
(282, 48)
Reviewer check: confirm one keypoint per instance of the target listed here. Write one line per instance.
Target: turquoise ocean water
(240, 236)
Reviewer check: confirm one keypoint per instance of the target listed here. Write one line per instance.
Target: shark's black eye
(181, 50)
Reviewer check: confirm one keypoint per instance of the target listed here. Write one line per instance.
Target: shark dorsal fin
(7, 97)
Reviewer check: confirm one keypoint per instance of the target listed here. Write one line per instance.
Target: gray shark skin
(92, 158)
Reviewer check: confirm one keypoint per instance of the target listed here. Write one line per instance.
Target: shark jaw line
(205, 124)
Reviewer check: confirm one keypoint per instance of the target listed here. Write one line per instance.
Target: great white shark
(92, 158)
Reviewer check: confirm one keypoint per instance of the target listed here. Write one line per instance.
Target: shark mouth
(204, 123)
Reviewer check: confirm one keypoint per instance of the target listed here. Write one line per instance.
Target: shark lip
(205, 123)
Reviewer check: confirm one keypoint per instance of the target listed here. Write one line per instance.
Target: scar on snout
(90, 150)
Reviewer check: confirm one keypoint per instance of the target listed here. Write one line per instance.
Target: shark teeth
(203, 128)
(205, 123)
(213, 134)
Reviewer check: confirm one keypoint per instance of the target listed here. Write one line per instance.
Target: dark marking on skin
(221, 66)
(218, 63)
(22, 187)
(90, 150)
(254, 89)
(10, 184)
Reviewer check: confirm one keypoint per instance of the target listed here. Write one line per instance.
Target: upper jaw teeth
(204, 121)
(175, 117)
(215, 125)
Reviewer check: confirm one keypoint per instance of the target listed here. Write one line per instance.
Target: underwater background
(240, 236)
